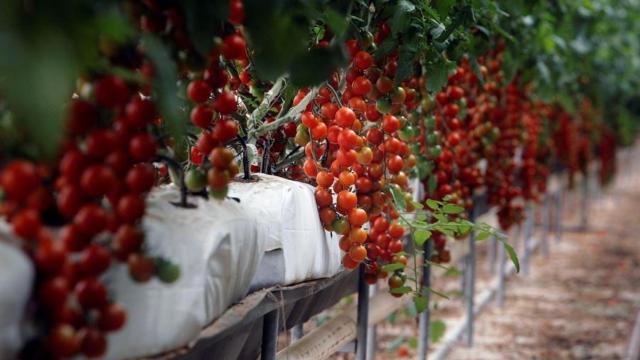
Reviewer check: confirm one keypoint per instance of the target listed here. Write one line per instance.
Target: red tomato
(363, 60)
(94, 260)
(130, 208)
(111, 317)
(199, 91)
(18, 179)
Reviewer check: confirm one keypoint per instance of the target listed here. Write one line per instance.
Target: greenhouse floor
(581, 301)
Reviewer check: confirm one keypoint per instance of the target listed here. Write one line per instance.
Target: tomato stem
(245, 159)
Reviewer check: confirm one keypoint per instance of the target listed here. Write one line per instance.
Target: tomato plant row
(356, 98)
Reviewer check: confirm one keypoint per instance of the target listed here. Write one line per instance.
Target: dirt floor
(579, 302)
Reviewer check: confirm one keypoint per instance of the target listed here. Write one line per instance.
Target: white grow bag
(16, 280)
(217, 250)
(287, 218)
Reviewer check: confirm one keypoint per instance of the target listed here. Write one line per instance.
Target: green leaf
(401, 18)
(421, 303)
(164, 84)
(464, 226)
(401, 290)
(442, 218)
(437, 330)
(398, 197)
(277, 45)
(452, 209)
(443, 7)
(437, 76)
(420, 236)
(476, 69)
(482, 234)
(439, 293)
(36, 80)
(438, 265)
(203, 19)
(385, 47)
(433, 204)
(114, 26)
(446, 231)
(405, 64)
(416, 204)
(337, 22)
(316, 65)
(421, 216)
(453, 271)
(392, 267)
(512, 255)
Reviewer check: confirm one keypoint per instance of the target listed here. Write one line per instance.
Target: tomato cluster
(354, 154)
(481, 132)
(212, 90)
(215, 101)
(79, 216)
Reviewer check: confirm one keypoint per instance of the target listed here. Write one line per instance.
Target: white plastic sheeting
(16, 278)
(217, 248)
(287, 218)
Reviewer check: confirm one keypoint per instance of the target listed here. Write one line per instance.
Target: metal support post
(491, 254)
(558, 215)
(501, 276)
(363, 315)
(297, 333)
(269, 335)
(471, 281)
(584, 202)
(464, 264)
(371, 332)
(546, 219)
(526, 238)
(425, 316)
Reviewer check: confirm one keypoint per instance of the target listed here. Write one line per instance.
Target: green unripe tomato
(405, 134)
(383, 106)
(167, 272)
(195, 180)
(341, 226)
(398, 95)
(435, 151)
(426, 104)
(433, 138)
(220, 193)
(430, 122)
(302, 135)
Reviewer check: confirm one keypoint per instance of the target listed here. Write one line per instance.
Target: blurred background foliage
(565, 49)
